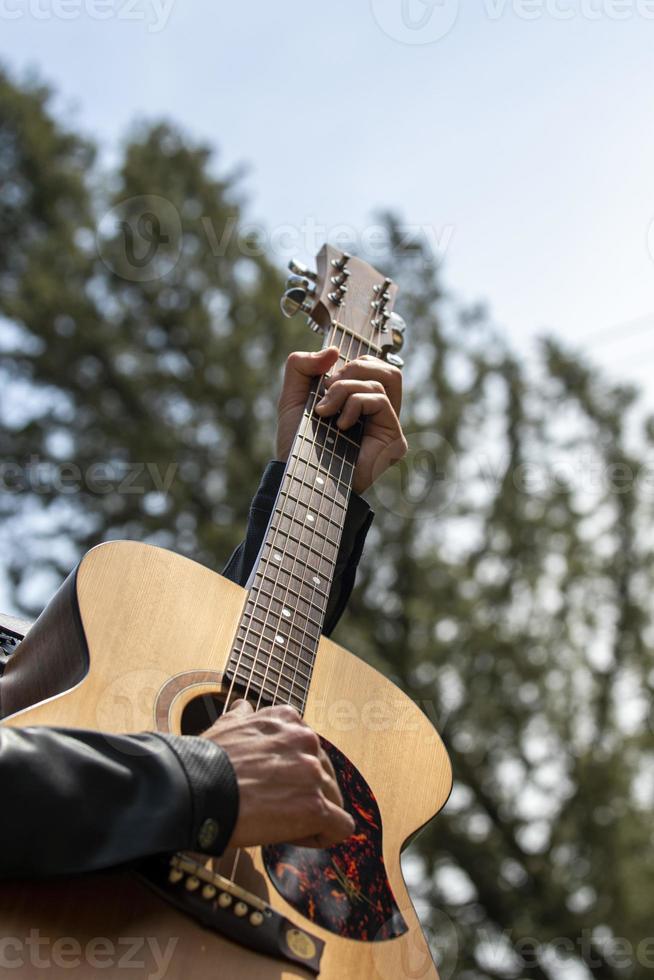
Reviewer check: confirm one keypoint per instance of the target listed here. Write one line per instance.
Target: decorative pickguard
(344, 889)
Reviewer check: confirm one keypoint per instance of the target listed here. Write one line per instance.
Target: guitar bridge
(224, 907)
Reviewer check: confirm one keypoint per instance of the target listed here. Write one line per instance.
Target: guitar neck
(277, 640)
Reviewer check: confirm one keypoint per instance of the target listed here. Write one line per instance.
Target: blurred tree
(507, 577)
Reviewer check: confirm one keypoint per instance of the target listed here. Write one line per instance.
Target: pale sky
(518, 134)
(521, 140)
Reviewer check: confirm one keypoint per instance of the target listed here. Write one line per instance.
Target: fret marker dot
(330, 439)
(277, 556)
(320, 481)
(310, 518)
(316, 580)
(280, 640)
(286, 612)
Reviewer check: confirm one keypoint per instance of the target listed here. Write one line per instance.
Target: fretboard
(274, 653)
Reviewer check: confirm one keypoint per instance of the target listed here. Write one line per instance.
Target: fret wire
(254, 679)
(276, 661)
(339, 525)
(267, 693)
(339, 434)
(246, 655)
(251, 611)
(334, 465)
(315, 431)
(273, 652)
(254, 669)
(322, 597)
(325, 492)
(312, 530)
(296, 595)
(329, 476)
(320, 568)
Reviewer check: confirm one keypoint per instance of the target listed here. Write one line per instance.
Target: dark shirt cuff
(213, 792)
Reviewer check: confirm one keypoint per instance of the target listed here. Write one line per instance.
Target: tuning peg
(397, 327)
(302, 270)
(295, 301)
(299, 282)
(394, 359)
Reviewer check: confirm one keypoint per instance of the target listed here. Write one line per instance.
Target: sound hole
(202, 712)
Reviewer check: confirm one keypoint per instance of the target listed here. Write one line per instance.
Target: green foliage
(508, 573)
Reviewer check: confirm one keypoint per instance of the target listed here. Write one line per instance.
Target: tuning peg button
(397, 327)
(295, 301)
(299, 282)
(395, 360)
(302, 270)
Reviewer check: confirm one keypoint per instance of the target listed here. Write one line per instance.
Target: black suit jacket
(76, 801)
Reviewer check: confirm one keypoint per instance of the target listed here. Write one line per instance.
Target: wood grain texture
(149, 615)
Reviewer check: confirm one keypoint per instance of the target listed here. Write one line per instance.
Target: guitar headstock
(349, 301)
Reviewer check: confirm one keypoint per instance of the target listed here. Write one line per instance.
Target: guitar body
(158, 630)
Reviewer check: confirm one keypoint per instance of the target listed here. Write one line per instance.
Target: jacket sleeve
(77, 801)
(357, 523)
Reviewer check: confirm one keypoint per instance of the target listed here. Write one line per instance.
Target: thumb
(301, 367)
(243, 707)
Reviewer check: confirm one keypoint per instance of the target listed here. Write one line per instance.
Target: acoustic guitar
(141, 639)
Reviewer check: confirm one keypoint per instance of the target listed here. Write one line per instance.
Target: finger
(341, 827)
(374, 405)
(327, 764)
(369, 368)
(330, 786)
(241, 706)
(336, 827)
(339, 392)
(301, 367)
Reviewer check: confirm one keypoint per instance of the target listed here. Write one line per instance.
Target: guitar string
(369, 344)
(265, 562)
(292, 517)
(282, 660)
(311, 508)
(319, 516)
(271, 546)
(237, 855)
(283, 551)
